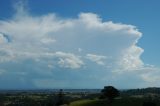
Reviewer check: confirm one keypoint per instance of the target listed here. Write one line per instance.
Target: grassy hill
(88, 103)
(118, 102)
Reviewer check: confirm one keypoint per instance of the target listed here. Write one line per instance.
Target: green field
(117, 102)
(88, 103)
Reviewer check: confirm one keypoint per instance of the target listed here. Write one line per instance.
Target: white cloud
(151, 75)
(48, 42)
(130, 59)
(96, 58)
(68, 60)
(3, 39)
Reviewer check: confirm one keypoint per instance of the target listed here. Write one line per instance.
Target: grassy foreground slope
(88, 103)
(118, 102)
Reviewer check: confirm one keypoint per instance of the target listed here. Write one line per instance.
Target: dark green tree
(60, 98)
(109, 93)
(149, 104)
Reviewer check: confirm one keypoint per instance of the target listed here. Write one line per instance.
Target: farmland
(132, 97)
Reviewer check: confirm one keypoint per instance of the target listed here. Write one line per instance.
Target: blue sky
(75, 44)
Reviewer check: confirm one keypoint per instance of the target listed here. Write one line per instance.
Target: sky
(47, 44)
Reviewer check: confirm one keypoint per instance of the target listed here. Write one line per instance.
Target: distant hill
(143, 91)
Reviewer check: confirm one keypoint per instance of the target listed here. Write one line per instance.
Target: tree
(110, 93)
(149, 104)
(60, 97)
(1, 100)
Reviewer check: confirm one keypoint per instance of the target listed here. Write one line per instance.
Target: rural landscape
(109, 96)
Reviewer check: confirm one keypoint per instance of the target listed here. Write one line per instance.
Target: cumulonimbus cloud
(54, 43)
